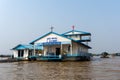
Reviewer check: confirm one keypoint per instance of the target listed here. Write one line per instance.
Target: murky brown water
(98, 69)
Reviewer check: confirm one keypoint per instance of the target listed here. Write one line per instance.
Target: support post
(87, 43)
(43, 51)
(20, 53)
(71, 48)
(61, 49)
(34, 49)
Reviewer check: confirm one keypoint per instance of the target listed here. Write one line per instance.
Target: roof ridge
(76, 31)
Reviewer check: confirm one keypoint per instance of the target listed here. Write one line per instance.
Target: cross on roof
(51, 28)
(73, 27)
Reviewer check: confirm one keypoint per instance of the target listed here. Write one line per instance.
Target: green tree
(104, 55)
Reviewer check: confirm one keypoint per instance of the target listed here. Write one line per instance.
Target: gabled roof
(61, 36)
(76, 32)
(22, 47)
(48, 34)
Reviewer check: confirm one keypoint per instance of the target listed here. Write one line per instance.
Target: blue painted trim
(51, 43)
(64, 42)
(16, 46)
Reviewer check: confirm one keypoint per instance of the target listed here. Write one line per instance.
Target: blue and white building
(69, 43)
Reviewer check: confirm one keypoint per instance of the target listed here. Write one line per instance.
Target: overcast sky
(22, 21)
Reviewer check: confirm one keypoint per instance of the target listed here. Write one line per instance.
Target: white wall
(15, 53)
(53, 48)
(65, 48)
(79, 48)
(74, 47)
(59, 39)
(25, 53)
(75, 37)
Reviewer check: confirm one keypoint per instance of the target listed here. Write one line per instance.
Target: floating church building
(71, 45)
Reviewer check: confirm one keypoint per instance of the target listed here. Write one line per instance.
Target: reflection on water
(98, 69)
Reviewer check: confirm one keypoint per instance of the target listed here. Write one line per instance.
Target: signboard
(51, 41)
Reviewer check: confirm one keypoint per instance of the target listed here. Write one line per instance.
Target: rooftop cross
(51, 28)
(73, 27)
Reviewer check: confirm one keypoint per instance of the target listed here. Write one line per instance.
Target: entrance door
(57, 51)
(30, 53)
(20, 53)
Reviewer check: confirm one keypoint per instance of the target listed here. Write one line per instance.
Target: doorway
(30, 53)
(20, 53)
(57, 51)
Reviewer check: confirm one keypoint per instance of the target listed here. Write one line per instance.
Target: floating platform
(67, 57)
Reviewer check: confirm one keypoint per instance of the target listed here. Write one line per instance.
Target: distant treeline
(5, 55)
